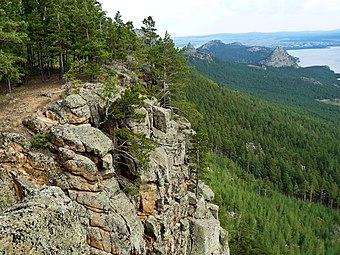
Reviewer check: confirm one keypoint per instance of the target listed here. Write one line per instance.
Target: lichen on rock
(45, 223)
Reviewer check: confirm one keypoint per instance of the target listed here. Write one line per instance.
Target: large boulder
(43, 162)
(205, 236)
(72, 109)
(74, 101)
(82, 138)
(85, 106)
(95, 103)
(206, 191)
(39, 123)
(82, 166)
(161, 118)
(65, 136)
(94, 140)
(45, 223)
(19, 139)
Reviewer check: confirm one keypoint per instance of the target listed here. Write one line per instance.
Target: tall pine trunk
(310, 196)
(30, 56)
(61, 65)
(40, 61)
(48, 63)
(9, 85)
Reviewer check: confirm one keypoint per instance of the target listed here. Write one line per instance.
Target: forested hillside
(287, 86)
(236, 51)
(262, 221)
(259, 151)
(296, 152)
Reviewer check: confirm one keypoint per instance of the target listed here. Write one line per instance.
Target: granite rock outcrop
(71, 197)
(280, 58)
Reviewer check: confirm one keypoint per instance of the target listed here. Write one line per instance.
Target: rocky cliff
(80, 197)
(280, 58)
(193, 52)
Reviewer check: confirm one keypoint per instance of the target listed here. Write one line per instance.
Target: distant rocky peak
(196, 53)
(190, 48)
(236, 44)
(280, 58)
(280, 50)
(211, 44)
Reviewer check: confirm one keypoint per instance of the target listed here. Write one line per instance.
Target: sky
(202, 17)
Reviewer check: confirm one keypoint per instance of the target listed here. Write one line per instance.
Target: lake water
(319, 57)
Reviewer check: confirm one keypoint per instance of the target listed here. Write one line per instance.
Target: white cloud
(321, 6)
(189, 17)
(227, 12)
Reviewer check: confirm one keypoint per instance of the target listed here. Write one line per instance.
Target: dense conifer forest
(299, 88)
(296, 152)
(76, 37)
(274, 170)
(261, 220)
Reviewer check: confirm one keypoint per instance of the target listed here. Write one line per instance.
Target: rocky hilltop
(211, 45)
(193, 52)
(280, 58)
(81, 197)
(235, 51)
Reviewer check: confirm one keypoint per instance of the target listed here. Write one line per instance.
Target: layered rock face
(280, 58)
(72, 199)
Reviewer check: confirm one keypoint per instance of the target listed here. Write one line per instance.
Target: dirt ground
(25, 100)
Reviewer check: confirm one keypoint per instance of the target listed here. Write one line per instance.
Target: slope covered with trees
(262, 221)
(236, 51)
(12, 38)
(287, 86)
(298, 153)
(268, 165)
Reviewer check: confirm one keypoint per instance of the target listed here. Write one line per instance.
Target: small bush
(41, 141)
(131, 190)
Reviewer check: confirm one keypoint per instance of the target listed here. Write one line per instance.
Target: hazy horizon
(258, 32)
(206, 17)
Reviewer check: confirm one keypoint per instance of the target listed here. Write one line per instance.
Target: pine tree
(36, 16)
(149, 31)
(168, 68)
(93, 45)
(122, 40)
(12, 38)
(59, 33)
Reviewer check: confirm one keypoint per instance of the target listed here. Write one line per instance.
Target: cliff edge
(80, 197)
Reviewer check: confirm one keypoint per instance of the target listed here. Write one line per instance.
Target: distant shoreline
(312, 47)
(325, 56)
(289, 40)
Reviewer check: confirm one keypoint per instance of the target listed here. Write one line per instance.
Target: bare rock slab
(83, 138)
(46, 223)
